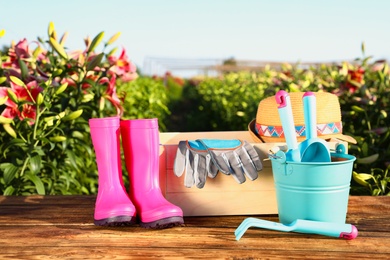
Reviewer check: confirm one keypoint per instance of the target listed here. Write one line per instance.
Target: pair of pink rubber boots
(145, 202)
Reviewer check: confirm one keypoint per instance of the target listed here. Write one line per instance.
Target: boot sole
(116, 221)
(163, 223)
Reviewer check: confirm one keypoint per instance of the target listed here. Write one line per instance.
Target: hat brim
(266, 139)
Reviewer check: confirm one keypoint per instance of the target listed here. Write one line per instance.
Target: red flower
(29, 93)
(110, 93)
(123, 67)
(355, 78)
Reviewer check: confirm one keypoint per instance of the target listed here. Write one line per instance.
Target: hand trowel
(340, 230)
(286, 117)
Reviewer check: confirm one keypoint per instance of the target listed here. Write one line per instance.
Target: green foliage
(367, 111)
(144, 98)
(229, 103)
(47, 97)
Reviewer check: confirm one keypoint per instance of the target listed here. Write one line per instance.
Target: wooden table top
(61, 227)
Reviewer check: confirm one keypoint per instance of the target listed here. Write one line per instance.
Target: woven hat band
(277, 131)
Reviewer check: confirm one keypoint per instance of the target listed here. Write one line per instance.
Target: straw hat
(268, 128)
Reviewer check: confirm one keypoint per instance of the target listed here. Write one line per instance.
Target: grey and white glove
(193, 159)
(205, 157)
(235, 157)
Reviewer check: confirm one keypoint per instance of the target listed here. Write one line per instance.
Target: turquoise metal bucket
(313, 190)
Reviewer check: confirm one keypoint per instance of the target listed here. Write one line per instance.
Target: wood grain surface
(61, 227)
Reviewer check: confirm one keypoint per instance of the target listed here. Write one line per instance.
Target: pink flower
(16, 52)
(21, 49)
(23, 94)
(123, 67)
(110, 93)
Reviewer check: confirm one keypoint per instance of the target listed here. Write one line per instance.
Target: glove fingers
(189, 180)
(200, 170)
(212, 169)
(237, 167)
(222, 162)
(249, 167)
(180, 159)
(251, 152)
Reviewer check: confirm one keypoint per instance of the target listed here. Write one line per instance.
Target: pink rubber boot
(140, 140)
(113, 206)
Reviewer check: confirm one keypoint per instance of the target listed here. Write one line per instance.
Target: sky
(273, 30)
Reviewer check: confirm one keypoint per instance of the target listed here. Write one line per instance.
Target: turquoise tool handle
(286, 117)
(347, 231)
(309, 107)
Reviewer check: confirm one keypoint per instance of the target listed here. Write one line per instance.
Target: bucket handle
(282, 166)
(279, 156)
(340, 149)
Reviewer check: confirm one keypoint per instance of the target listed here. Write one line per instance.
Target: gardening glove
(193, 159)
(235, 157)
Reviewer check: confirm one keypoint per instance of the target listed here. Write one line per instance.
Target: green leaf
(10, 171)
(383, 185)
(23, 69)
(358, 109)
(2, 79)
(40, 188)
(57, 139)
(383, 114)
(362, 178)
(355, 83)
(364, 149)
(85, 190)
(60, 115)
(13, 142)
(61, 88)
(58, 48)
(17, 81)
(112, 51)
(8, 128)
(95, 42)
(95, 61)
(57, 72)
(385, 69)
(37, 51)
(35, 163)
(12, 96)
(5, 120)
(87, 98)
(72, 158)
(39, 99)
(368, 159)
(51, 30)
(73, 115)
(9, 191)
(78, 135)
(113, 38)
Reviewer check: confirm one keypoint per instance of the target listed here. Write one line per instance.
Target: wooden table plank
(39, 227)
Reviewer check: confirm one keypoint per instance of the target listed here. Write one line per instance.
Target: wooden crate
(222, 195)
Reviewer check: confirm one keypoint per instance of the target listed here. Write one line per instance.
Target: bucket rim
(348, 159)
